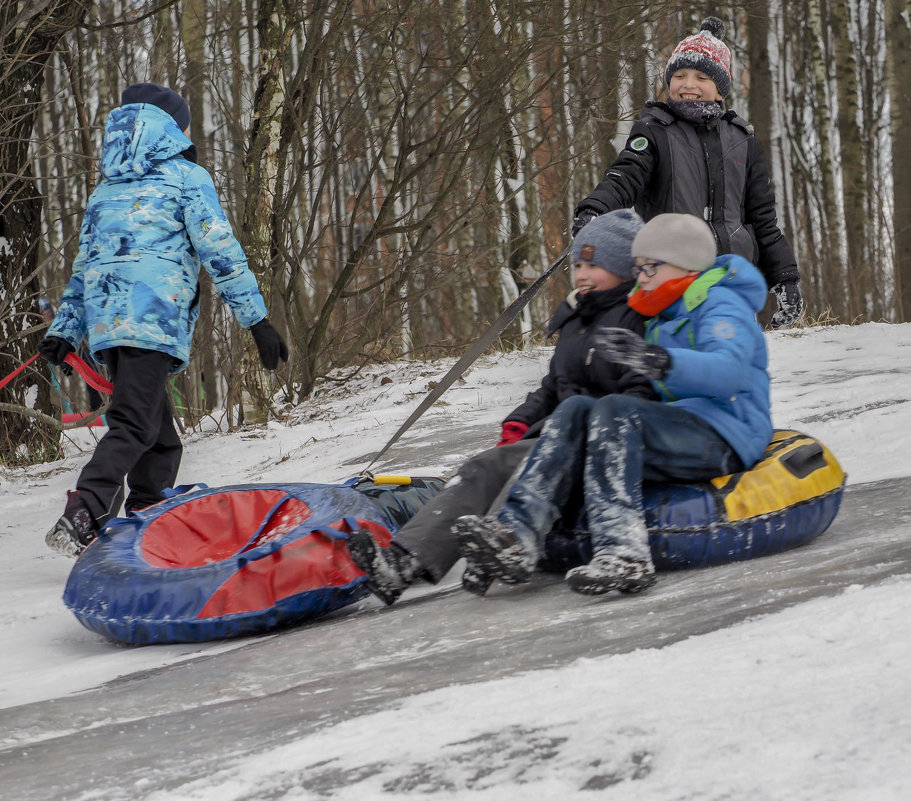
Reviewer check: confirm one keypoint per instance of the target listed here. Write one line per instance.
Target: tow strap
(90, 377)
(478, 347)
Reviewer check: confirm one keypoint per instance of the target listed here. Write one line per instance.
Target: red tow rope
(90, 377)
(93, 379)
(12, 375)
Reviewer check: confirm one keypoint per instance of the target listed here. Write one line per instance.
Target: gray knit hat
(679, 239)
(606, 240)
(704, 51)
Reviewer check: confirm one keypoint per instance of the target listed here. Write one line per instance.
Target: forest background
(399, 170)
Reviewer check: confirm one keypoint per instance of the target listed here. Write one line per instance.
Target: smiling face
(690, 84)
(589, 278)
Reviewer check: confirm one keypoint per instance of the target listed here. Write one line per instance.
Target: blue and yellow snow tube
(787, 499)
(214, 563)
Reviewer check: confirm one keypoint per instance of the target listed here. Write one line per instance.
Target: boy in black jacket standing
(690, 155)
(602, 274)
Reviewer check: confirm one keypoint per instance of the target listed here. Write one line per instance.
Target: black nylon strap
(478, 347)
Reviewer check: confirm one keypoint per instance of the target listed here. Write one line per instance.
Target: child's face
(651, 273)
(690, 84)
(589, 278)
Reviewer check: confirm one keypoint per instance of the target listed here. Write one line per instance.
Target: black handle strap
(478, 347)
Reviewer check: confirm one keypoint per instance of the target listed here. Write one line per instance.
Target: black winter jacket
(573, 370)
(716, 170)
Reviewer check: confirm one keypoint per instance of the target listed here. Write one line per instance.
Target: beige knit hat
(679, 239)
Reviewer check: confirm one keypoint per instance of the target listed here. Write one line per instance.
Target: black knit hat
(166, 99)
(704, 51)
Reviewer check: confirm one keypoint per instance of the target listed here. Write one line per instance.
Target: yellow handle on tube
(403, 480)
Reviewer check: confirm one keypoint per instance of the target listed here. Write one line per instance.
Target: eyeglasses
(650, 268)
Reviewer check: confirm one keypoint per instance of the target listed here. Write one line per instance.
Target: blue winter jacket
(719, 359)
(150, 224)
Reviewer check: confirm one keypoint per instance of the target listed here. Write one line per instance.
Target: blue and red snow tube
(230, 561)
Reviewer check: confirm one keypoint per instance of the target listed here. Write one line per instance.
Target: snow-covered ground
(812, 703)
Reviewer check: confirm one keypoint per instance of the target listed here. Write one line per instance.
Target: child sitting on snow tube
(706, 356)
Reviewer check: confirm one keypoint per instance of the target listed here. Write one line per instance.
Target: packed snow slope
(810, 703)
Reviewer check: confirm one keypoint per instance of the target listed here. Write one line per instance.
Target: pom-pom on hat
(683, 240)
(606, 241)
(166, 99)
(704, 51)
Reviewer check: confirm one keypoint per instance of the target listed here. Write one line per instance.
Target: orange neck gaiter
(659, 299)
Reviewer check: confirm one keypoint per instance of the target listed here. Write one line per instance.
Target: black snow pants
(141, 443)
(477, 489)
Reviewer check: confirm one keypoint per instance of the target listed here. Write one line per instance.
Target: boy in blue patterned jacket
(149, 225)
(706, 357)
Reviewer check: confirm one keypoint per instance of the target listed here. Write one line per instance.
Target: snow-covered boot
(607, 572)
(491, 551)
(75, 529)
(475, 581)
(389, 570)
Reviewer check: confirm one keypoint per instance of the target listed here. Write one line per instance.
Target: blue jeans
(609, 446)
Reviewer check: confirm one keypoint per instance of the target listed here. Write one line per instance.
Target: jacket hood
(136, 138)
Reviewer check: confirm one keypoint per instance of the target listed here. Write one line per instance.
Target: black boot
(491, 551)
(389, 570)
(75, 529)
(607, 572)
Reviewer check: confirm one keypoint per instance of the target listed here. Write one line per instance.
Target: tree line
(398, 172)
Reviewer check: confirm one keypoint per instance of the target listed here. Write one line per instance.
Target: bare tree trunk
(30, 34)
(193, 31)
(830, 220)
(898, 77)
(851, 149)
(759, 71)
(758, 80)
(261, 170)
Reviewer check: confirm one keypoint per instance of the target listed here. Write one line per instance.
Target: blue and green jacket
(719, 359)
(149, 226)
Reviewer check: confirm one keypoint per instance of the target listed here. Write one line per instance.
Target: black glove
(622, 346)
(790, 304)
(269, 343)
(55, 350)
(583, 217)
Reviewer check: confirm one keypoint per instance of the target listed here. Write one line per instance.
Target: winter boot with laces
(607, 572)
(491, 551)
(75, 529)
(389, 570)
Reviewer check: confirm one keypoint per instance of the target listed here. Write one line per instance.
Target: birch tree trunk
(261, 171)
(831, 262)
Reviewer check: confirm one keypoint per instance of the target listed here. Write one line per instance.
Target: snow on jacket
(718, 353)
(716, 170)
(572, 370)
(149, 225)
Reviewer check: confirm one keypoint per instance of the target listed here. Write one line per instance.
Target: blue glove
(622, 346)
(790, 304)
